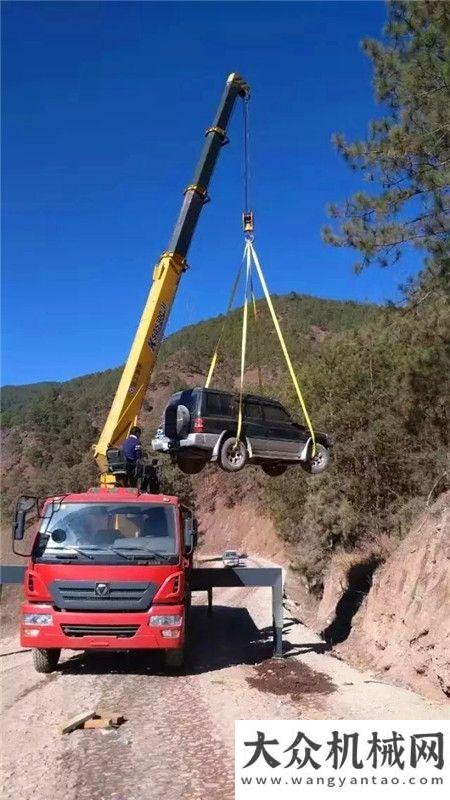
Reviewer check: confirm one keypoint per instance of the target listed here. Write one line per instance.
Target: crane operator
(132, 448)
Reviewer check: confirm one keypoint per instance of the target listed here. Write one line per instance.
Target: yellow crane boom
(141, 360)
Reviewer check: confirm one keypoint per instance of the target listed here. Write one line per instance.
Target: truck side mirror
(190, 535)
(19, 525)
(195, 534)
(27, 512)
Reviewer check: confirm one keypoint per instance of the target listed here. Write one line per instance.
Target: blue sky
(104, 111)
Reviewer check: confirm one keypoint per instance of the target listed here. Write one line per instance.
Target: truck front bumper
(76, 630)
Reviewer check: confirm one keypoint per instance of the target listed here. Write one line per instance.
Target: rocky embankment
(392, 616)
(401, 629)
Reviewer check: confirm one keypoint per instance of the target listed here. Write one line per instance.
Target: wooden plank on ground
(77, 721)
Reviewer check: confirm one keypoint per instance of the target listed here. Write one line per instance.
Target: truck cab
(108, 569)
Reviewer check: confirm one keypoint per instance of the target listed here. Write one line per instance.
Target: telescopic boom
(139, 366)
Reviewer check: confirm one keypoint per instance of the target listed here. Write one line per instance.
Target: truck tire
(274, 470)
(318, 463)
(190, 466)
(233, 455)
(46, 660)
(173, 660)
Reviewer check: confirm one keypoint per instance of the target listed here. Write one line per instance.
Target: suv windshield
(107, 533)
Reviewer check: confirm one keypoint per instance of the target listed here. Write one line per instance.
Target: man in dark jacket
(132, 448)
(145, 476)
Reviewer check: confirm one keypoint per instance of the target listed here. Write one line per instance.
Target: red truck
(109, 569)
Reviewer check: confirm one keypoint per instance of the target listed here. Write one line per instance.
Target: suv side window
(213, 404)
(222, 405)
(253, 411)
(276, 414)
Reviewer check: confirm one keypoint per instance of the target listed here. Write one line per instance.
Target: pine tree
(406, 157)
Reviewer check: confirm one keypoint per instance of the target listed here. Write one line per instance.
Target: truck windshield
(107, 533)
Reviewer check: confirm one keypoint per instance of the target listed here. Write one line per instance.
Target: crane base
(145, 476)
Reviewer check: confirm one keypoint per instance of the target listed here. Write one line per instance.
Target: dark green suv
(200, 425)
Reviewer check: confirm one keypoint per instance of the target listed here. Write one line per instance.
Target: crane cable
(245, 108)
(250, 255)
(246, 182)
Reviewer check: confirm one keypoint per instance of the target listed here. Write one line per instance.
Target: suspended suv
(200, 425)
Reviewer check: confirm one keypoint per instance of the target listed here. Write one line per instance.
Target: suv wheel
(190, 466)
(233, 455)
(318, 463)
(274, 470)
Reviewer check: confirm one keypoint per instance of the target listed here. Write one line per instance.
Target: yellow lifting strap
(251, 250)
(255, 317)
(249, 255)
(248, 269)
(212, 366)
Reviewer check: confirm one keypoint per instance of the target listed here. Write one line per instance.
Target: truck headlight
(37, 619)
(174, 620)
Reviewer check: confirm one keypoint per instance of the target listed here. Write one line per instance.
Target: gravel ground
(178, 734)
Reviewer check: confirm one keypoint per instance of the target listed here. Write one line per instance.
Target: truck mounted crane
(112, 567)
(141, 360)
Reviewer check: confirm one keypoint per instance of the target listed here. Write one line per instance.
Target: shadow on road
(296, 649)
(226, 638)
(359, 579)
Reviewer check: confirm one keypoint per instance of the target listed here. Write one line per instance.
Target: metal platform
(206, 579)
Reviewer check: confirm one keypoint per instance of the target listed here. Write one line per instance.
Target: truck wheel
(318, 463)
(233, 455)
(274, 470)
(173, 660)
(46, 660)
(190, 466)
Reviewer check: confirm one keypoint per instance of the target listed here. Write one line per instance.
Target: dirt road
(178, 737)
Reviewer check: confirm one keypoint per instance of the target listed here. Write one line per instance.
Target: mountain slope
(373, 377)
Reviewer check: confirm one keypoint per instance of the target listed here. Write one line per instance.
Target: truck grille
(102, 595)
(118, 631)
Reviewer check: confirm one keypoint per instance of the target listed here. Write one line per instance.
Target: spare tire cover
(176, 424)
(170, 420)
(183, 420)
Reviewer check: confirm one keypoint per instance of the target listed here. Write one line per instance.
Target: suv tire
(233, 455)
(318, 463)
(46, 660)
(190, 466)
(274, 470)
